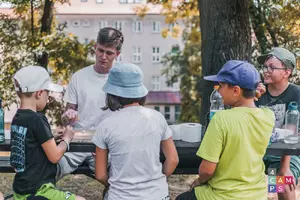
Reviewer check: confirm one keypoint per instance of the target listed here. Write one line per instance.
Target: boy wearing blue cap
(235, 142)
(133, 142)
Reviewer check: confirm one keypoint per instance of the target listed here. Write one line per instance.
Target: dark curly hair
(110, 37)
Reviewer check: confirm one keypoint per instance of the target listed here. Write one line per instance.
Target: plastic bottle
(2, 136)
(291, 124)
(216, 102)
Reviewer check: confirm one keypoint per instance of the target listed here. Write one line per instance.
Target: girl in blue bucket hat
(133, 136)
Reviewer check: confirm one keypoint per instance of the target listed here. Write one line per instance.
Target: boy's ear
(38, 94)
(237, 91)
(289, 72)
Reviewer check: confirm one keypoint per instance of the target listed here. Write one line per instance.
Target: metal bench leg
(8, 196)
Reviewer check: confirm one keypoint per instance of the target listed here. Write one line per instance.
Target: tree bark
(225, 33)
(257, 25)
(46, 22)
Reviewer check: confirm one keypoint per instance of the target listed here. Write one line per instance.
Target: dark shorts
(187, 196)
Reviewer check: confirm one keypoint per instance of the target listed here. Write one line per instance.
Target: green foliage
(20, 48)
(275, 23)
(185, 66)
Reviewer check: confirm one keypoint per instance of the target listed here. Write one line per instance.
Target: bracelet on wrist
(68, 145)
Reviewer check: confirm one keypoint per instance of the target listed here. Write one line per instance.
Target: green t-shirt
(237, 139)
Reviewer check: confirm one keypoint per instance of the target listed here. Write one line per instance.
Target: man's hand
(69, 117)
(68, 134)
(260, 90)
(288, 172)
(58, 134)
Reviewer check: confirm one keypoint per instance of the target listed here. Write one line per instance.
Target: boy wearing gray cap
(278, 66)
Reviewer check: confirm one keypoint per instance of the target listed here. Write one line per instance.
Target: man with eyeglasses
(85, 98)
(278, 67)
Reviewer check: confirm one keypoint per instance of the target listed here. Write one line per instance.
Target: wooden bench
(182, 168)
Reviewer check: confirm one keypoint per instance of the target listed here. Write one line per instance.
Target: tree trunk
(46, 22)
(225, 32)
(257, 25)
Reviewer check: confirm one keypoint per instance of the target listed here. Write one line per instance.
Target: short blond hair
(22, 94)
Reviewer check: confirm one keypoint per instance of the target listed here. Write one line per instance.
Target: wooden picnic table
(188, 160)
(188, 163)
(185, 149)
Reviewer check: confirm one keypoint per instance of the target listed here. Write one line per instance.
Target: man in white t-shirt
(85, 98)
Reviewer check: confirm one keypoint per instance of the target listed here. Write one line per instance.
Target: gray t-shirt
(279, 105)
(133, 136)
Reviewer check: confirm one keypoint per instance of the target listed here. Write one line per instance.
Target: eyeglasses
(271, 68)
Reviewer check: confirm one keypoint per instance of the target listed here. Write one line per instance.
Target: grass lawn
(92, 189)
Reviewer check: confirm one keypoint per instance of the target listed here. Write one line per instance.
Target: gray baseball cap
(284, 55)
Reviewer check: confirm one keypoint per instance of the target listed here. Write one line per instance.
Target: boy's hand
(1, 196)
(260, 90)
(288, 172)
(68, 134)
(69, 117)
(195, 184)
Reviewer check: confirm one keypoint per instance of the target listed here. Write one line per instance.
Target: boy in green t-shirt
(235, 142)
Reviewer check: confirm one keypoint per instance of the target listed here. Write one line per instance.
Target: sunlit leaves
(18, 48)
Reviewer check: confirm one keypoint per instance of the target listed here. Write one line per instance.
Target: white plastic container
(191, 132)
(176, 131)
(7, 134)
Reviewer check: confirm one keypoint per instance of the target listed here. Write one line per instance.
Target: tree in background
(226, 34)
(30, 36)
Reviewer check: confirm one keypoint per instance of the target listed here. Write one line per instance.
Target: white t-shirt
(85, 90)
(133, 136)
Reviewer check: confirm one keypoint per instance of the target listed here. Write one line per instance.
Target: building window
(86, 41)
(102, 24)
(99, 1)
(137, 26)
(156, 27)
(118, 25)
(76, 23)
(156, 108)
(167, 112)
(83, 0)
(155, 82)
(119, 58)
(172, 25)
(137, 54)
(85, 23)
(177, 112)
(155, 54)
(130, 1)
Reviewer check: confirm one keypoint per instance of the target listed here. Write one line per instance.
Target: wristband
(68, 146)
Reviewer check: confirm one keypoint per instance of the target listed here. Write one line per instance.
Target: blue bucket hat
(236, 72)
(125, 80)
